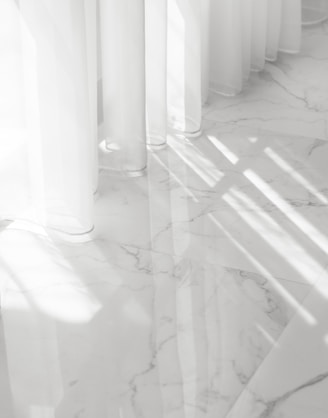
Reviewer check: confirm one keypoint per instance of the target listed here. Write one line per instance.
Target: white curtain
(245, 33)
(75, 99)
(87, 85)
(47, 132)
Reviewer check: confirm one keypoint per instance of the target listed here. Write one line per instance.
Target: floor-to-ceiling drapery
(244, 33)
(74, 98)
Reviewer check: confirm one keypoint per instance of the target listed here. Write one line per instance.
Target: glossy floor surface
(203, 291)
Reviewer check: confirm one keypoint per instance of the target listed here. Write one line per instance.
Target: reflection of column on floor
(186, 335)
(165, 336)
(192, 335)
(166, 208)
(6, 400)
(168, 205)
(123, 85)
(185, 303)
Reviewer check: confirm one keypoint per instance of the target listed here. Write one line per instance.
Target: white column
(123, 82)
(91, 43)
(273, 29)
(291, 26)
(53, 134)
(156, 71)
(226, 68)
(184, 66)
(205, 33)
(259, 32)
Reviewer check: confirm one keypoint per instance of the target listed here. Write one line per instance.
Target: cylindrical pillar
(123, 85)
(53, 134)
(156, 71)
(184, 66)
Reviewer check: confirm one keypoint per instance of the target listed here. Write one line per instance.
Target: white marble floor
(203, 290)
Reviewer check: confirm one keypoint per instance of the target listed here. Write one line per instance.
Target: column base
(185, 134)
(122, 173)
(114, 161)
(312, 16)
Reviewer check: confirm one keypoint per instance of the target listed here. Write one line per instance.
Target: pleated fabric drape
(47, 126)
(246, 33)
(89, 84)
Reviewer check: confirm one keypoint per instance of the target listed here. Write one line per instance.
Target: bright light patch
(108, 147)
(267, 335)
(276, 237)
(253, 139)
(302, 223)
(45, 280)
(265, 272)
(287, 168)
(68, 304)
(230, 156)
(28, 226)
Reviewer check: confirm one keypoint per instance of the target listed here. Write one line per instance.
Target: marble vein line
(270, 406)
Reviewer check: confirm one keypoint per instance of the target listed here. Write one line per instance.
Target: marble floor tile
(254, 201)
(113, 330)
(293, 379)
(202, 291)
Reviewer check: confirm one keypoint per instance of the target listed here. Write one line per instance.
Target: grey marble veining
(202, 292)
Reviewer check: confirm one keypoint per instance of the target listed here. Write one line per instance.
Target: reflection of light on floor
(44, 280)
(266, 274)
(230, 156)
(253, 139)
(187, 338)
(201, 165)
(42, 411)
(303, 224)
(108, 147)
(23, 225)
(67, 303)
(136, 312)
(267, 335)
(172, 175)
(283, 164)
(277, 238)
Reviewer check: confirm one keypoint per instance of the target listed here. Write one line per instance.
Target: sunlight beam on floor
(277, 238)
(287, 168)
(297, 219)
(230, 156)
(266, 273)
